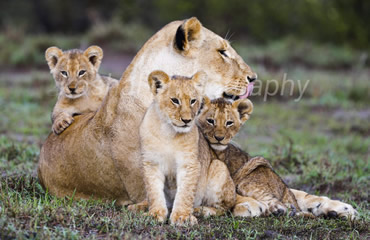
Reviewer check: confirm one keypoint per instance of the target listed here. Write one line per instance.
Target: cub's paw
(124, 203)
(333, 208)
(250, 209)
(181, 219)
(277, 208)
(208, 211)
(61, 123)
(158, 213)
(139, 207)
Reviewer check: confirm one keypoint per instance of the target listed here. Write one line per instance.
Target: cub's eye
(229, 123)
(223, 52)
(64, 73)
(211, 121)
(82, 72)
(175, 101)
(193, 101)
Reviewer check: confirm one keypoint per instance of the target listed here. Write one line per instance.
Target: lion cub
(81, 88)
(254, 178)
(178, 170)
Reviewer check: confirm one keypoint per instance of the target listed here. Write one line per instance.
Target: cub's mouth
(218, 146)
(182, 129)
(74, 95)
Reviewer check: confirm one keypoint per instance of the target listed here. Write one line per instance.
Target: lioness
(98, 155)
(175, 165)
(260, 190)
(81, 88)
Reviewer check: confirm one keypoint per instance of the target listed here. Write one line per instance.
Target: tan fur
(81, 88)
(260, 190)
(171, 161)
(99, 154)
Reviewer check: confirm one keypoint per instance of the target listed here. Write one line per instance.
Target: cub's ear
(95, 55)
(244, 108)
(157, 80)
(186, 33)
(206, 104)
(200, 79)
(52, 55)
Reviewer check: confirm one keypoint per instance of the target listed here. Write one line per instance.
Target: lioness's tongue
(249, 91)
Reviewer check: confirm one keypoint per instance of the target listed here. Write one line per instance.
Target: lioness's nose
(186, 121)
(219, 138)
(252, 77)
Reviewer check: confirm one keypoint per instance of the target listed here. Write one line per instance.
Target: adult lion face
(229, 75)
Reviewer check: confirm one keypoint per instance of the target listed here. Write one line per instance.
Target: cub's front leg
(62, 118)
(187, 178)
(154, 184)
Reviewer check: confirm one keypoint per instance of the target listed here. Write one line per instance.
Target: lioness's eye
(82, 72)
(211, 121)
(223, 52)
(175, 101)
(229, 123)
(193, 101)
(64, 73)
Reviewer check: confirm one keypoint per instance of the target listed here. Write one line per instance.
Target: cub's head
(74, 69)
(220, 120)
(230, 76)
(179, 98)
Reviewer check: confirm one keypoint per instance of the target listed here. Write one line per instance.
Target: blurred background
(319, 144)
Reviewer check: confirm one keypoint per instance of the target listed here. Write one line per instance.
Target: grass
(319, 144)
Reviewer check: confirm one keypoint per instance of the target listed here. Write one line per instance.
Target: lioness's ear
(187, 32)
(200, 79)
(157, 80)
(244, 108)
(95, 55)
(52, 55)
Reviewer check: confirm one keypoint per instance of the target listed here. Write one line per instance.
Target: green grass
(319, 144)
(28, 212)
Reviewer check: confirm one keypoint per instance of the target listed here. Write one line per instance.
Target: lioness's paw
(181, 219)
(334, 208)
(158, 213)
(250, 209)
(61, 123)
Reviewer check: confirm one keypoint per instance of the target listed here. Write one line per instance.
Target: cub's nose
(186, 121)
(218, 138)
(72, 89)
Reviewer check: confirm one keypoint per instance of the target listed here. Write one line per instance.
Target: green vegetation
(342, 22)
(319, 144)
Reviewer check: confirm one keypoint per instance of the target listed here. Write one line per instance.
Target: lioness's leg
(220, 192)
(320, 205)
